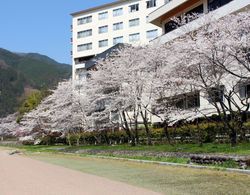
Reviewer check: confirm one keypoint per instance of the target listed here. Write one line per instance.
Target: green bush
(204, 132)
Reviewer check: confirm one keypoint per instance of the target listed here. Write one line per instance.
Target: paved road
(20, 175)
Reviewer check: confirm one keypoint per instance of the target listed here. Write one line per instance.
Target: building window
(117, 40)
(151, 34)
(215, 94)
(85, 33)
(134, 22)
(117, 12)
(103, 43)
(134, 8)
(182, 101)
(134, 37)
(187, 101)
(100, 106)
(118, 26)
(114, 117)
(103, 29)
(84, 47)
(103, 15)
(151, 3)
(170, 26)
(84, 20)
(244, 90)
(214, 4)
(197, 10)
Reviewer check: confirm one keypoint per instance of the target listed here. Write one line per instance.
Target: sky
(40, 26)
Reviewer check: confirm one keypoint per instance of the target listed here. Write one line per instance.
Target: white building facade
(214, 9)
(140, 22)
(97, 29)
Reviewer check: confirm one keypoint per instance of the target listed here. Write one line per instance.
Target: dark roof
(104, 55)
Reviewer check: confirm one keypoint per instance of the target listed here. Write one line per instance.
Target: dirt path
(20, 175)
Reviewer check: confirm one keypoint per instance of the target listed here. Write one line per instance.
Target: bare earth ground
(20, 175)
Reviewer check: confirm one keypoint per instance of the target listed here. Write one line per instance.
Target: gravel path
(20, 175)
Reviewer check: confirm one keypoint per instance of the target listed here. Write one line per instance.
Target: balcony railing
(229, 7)
(79, 65)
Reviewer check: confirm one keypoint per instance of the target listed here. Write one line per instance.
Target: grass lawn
(164, 179)
(240, 149)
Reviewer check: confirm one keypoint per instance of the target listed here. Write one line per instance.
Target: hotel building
(210, 10)
(138, 22)
(97, 29)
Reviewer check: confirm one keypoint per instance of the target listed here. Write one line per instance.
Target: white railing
(79, 66)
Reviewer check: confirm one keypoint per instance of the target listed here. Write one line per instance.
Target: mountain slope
(19, 72)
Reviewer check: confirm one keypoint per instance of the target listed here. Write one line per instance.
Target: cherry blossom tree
(8, 126)
(215, 61)
(137, 84)
(130, 82)
(54, 114)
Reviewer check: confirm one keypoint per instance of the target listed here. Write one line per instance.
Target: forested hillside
(22, 73)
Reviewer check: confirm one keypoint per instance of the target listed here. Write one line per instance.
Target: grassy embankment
(241, 149)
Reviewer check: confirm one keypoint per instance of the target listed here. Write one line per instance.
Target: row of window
(215, 94)
(132, 38)
(192, 100)
(151, 34)
(172, 25)
(104, 29)
(116, 12)
(212, 5)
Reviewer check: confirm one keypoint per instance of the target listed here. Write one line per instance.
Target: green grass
(150, 158)
(243, 149)
(163, 179)
(226, 164)
(240, 149)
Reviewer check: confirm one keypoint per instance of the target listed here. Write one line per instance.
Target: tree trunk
(243, 137)
(106, 138)
(233, 137)
(127, 130)
(226, 119)
(148, 132)
(166, 132)
(242, 127)
(78, 140)
(200, 134)
(69, 140)
(98, 139)
(136, 132)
